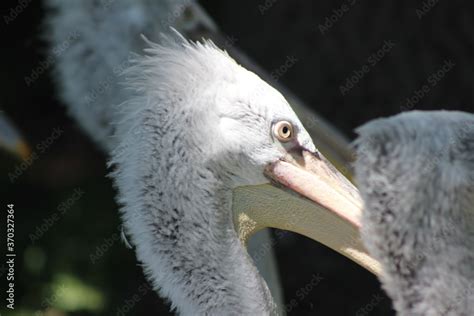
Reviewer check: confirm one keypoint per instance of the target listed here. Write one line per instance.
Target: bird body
(94, 42)
(102, 39)
(416, 175)
(121, 119)
(177, 206)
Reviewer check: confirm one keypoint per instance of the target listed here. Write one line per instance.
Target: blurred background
(374, 59)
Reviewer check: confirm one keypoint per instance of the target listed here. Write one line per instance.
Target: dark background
(56, 274)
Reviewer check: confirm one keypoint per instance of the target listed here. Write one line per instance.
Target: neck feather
(177, 210)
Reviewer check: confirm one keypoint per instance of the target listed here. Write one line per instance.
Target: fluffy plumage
(177, 205)
(416, 175)
(187, 127)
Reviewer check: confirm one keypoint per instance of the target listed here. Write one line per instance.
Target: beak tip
(23, 150)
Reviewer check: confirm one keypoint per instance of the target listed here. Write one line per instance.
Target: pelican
(416, 175)
(197, 140)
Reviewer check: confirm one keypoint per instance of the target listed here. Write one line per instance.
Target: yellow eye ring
(283, 131)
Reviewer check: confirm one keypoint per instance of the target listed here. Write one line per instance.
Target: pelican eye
(283, 130)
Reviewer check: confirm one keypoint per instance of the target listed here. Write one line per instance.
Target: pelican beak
(308, 196)
(312, 176)
(11, 139)
(21, 149)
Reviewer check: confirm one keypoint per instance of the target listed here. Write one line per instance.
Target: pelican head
(416, 175)
(199, 127)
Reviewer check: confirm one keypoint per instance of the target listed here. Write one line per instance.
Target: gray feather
(416, 175)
